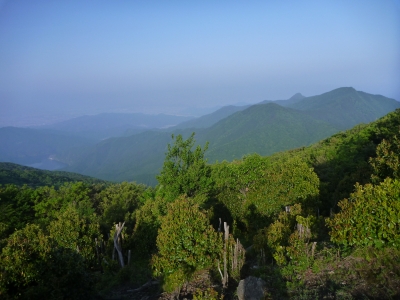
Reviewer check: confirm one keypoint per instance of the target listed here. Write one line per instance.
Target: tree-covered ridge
(345, 107)
(265, 129)
(19, 175)
(314, 223)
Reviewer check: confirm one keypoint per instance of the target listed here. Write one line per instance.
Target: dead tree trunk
(226, 239)
(117, 242)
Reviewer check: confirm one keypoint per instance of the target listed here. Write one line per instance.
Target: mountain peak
(344, 89)
(297, 96)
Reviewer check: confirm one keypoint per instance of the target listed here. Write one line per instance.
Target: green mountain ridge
(346, 107)
(20, 175)
(259, 129)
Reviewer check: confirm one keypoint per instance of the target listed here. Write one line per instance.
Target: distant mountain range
(108, 125)
(232, 131)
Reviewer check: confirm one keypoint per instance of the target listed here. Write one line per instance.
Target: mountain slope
(135, 158)
(264, 129)
(19, 175)
(345, 107)
(210, 119)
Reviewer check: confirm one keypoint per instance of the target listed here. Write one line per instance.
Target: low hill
(20, 175)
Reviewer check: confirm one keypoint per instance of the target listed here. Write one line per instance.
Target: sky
(60, 59)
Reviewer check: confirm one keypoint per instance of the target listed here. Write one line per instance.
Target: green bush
(370, 217)
(186, 244)
(185, 171)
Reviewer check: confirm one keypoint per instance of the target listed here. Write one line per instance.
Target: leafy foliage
(16, 208)
(118, 203)
(186, 243)
(20, 175)
(77, 231)
(256, 189)
(32, 266)
(387, 162)
(185, 172)
(369, 217)
(49, 201)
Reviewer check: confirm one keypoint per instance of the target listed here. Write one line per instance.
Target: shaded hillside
(263, 129)
(342, 159)
(345, 107)
(27, 146)
(20, 175)
(134, 158)
(108, 125)
(224, 112)
(210, 119)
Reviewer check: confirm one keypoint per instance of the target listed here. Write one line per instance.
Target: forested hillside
(265, 129)
(135, 143)
(346, 107)
(20, 175)
(317, 222)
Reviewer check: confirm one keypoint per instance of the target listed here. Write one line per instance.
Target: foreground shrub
(186, 244)
(370, 217)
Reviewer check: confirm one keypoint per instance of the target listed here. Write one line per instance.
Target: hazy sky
(88, 56)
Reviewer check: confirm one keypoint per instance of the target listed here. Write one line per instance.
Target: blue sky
(60, 58)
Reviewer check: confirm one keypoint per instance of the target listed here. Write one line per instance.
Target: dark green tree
(185, 171)
(370, 217)
(186, 243)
